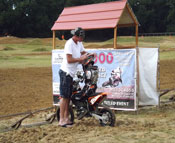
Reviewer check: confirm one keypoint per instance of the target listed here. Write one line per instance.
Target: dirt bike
(86, 101)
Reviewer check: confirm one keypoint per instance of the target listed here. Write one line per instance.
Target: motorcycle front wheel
(108, 117)
(71, 114)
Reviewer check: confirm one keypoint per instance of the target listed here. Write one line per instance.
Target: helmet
(89, 60)
(78, 32)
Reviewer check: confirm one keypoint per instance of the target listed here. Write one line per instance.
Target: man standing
(74, 53)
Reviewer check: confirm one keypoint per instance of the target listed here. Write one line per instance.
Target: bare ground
(153, 126)
(27, 89)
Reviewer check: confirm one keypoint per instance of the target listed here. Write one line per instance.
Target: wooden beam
(54, 42)
(131, 13)
(126, 25)
(137, 31)
(137, 78)
(158, 75)
(115, 37)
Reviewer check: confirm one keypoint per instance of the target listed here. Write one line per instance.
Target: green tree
(6, 10)
(151, 14)
(171, 16)
(84, 2)
(34, 18)
(37, 16)
(29, 18)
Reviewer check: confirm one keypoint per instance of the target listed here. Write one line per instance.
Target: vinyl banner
(57, 58)
(117, 76)
(148, 58)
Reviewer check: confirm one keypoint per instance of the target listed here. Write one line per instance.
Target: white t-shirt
(75, 50)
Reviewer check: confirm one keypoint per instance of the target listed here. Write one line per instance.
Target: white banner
(148, 58)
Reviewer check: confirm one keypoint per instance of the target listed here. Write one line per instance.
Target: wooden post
(137, 81)
(158, 75)
(137, 29)
(54, 43)
(115, 37)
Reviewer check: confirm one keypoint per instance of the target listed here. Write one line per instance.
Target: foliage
(171, 14)
(34, 18)
(29, 18)
(151, 14)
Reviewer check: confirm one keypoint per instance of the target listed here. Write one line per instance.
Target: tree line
(34, 18)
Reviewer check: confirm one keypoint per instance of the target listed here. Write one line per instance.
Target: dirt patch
(92, 46)
(167, 74)
(34, 54)
(105, 46)
(167, 50)
(148, 126)
(25, 89)
(6, 48)
(12, 40)
(1, 48)
(96, 46)
(31, 88)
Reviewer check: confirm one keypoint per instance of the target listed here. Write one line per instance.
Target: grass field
(36, 52)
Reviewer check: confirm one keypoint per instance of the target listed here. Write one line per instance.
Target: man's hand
(83, 57)
(92, 54)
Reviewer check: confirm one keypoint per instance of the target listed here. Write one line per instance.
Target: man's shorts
(66, 84)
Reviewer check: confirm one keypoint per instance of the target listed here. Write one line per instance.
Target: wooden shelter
(97, 16)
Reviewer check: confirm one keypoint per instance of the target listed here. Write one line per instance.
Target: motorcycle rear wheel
(109, 117)
(71, 114)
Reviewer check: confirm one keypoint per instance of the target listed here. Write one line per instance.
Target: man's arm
(70, 59)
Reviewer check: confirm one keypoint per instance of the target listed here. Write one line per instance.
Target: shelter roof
(96, 16)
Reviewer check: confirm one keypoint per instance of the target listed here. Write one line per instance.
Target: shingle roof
(94, 16)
